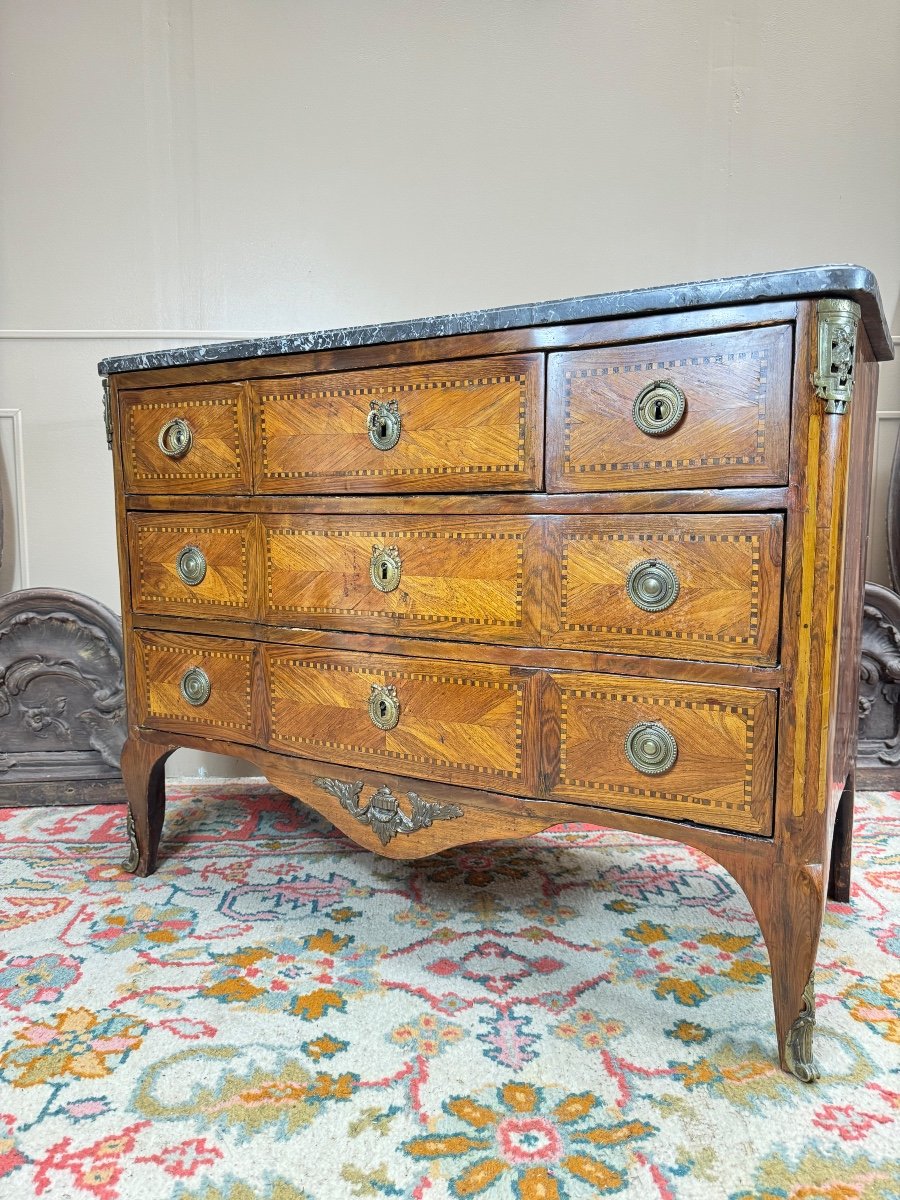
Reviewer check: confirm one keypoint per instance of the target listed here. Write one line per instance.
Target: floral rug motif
(279, 1015)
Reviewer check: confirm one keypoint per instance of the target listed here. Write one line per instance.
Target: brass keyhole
(385, 567)
(384, 707)
(658, 407)
(384, 424)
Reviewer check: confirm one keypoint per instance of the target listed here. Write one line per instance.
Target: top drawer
(710, 411)
(187, 439)
(435, 427)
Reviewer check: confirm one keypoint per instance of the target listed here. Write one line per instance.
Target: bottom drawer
(195, 684)
(683, 751)
(704, 754)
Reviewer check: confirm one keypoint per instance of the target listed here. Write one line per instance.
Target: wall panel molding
(14, 561)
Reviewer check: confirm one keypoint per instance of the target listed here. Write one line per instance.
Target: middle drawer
(699, 586)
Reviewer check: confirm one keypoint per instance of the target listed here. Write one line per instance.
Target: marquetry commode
(472, 576)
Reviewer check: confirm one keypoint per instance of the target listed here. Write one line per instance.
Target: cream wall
(182, 170)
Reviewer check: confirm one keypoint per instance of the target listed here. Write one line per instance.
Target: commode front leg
(788, 901)
(144, 775)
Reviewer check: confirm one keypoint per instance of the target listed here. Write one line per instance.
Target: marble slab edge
(853, 282)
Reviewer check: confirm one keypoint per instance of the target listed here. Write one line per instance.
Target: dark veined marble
(852, 282)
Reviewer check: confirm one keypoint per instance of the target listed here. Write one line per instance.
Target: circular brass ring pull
(652, 585)
(650, 748)
(658, 407)
(175, 438)
(384, 568)
(195, 686)
(191, 566)
(384, 707)
(383, 424)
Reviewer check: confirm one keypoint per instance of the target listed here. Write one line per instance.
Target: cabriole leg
(143, 771)
(788, 901)
(842, 843)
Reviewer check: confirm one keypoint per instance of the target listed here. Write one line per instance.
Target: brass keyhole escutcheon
(384, 568)
(658, 407)
(652, 585)
(650, 748)
(175, 438)
(191, 566)
(383, 424)
(195, 686)
(384, 707)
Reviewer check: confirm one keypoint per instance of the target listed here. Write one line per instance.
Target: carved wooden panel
(459, 723)
(462, 426)
(725, 738)
(734, 430)
(725, 573)
(161, 664)
(217, 458)
(459, 577)
(227, 549)
(62, 699)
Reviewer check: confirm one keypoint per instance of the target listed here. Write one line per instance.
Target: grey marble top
(852, 282)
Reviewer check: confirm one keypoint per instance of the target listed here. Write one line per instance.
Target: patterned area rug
(279, 1015)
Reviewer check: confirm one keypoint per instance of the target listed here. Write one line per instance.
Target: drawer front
(723, 739)
(193, 566)
(436, 427)
(697, 587)
(452, 722)
(171, 667)
(187, 440)
(607, 421)
(455, 577)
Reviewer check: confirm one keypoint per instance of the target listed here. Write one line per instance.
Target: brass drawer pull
(652, 585)
(175, 438)
(191, 566)
(195, 686)
(384, 707)
(384, 569)
(384, 424)
(658, 407)
(650, 748)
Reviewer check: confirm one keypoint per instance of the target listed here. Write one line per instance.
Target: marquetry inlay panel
(218, 458)
(725, 738)
(459, 722)
(459, 577)
(464, 426)
(228, 547)
(728, 570)
(161, 661)
(734, 428)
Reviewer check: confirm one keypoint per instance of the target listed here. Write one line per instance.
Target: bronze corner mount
(838, 321)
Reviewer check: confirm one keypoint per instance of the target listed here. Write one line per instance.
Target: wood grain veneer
(734, 430)
(519, 661)
(464, 426)
(218, 458)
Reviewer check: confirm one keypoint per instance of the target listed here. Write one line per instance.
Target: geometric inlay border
(658, 793)
(678, 635)
(702, 460)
